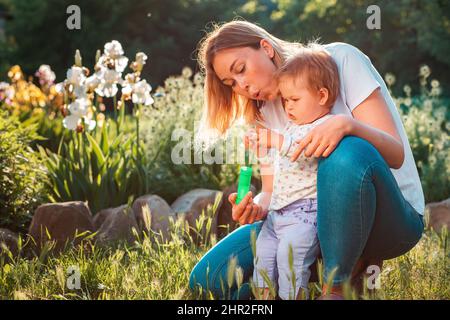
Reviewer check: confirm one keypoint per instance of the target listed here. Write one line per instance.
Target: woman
(370, 201)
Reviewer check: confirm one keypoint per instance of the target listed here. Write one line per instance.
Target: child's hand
(250, 139)
(251, 142)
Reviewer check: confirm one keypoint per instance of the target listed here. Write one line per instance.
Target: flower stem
(121, 112)
(137, 115)
(95, 112)
(115, 114)
(61, 142)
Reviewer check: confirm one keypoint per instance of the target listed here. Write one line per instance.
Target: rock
(192, 203)
(9, 239)
(160, 212)
(225, 222)
(63, 221)
(438, 214)
(100, 217)
(116, 224)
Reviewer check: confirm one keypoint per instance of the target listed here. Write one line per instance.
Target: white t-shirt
(358, 79)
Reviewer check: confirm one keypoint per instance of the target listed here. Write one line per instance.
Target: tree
(413, 32)
(167, 31)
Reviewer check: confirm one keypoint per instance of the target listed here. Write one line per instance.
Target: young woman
(370, 200)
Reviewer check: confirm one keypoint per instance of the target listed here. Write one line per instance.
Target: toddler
(309, 86)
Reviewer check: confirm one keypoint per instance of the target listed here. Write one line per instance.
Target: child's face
(301, 104)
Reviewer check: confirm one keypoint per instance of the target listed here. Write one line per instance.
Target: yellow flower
(428, 105)
(434, 83)
(407, 102)
(186, 72)
(15, 73)
(425, 71)
(425, 140)
(407, 90)
(389, 78)
(100, 116)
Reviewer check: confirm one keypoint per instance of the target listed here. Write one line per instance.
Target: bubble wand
(245, 176)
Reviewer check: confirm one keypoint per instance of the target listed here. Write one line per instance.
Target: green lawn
(149, 269)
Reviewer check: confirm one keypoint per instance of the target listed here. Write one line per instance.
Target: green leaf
(104, 141)
(98, 152)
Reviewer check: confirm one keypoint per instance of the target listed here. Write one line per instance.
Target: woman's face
(250, 72)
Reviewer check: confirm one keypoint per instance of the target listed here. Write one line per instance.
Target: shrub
(426, 120)
(22, 176)
(35, 104)
(104, 171)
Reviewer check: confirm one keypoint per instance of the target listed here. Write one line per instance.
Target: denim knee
(352, 154)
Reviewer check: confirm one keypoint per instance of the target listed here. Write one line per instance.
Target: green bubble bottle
(245, 176)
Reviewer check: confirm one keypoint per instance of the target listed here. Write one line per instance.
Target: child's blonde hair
(316, 67)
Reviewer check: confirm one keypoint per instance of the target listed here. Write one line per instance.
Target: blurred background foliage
(411, 52)
(412, 31)
(41, 161)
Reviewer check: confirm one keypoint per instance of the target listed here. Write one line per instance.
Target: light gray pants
(294, 226)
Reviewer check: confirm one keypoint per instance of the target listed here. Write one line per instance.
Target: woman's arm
(374, 123)
(371, 121)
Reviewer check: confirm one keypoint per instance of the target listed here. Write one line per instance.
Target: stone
(115, 225)
(160, 212)
(438, 215)
(192, 204)
(101, 216)
(10, 240)
(62, 221)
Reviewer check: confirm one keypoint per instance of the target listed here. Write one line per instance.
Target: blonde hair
(223, 106)
(316, 66)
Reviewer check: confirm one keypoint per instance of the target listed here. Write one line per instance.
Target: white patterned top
(294, 180)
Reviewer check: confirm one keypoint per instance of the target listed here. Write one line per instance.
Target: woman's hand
(371, 121)
(324, 138)
(246, 211)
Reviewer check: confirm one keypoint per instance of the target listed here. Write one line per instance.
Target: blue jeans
(361, 213)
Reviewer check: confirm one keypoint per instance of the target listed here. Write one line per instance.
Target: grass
(154, 269)
(422, 273)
